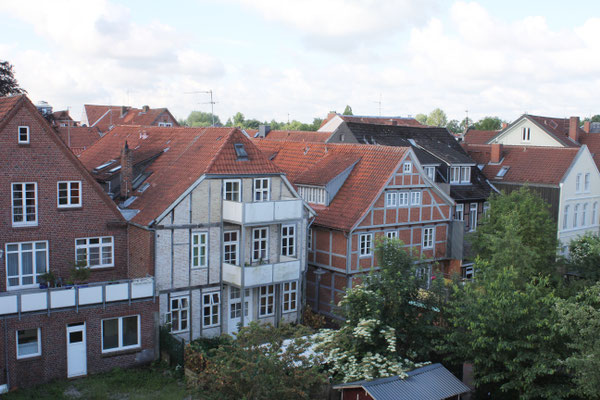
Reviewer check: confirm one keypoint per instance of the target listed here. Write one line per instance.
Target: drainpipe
(6, 352)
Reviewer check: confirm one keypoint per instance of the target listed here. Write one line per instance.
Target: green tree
(437, 117)
(584, 257)
(200, 118)
(239, 119)
(8, 83)
(454, 126)
(422, 118)
(347, 110)
(488, 124)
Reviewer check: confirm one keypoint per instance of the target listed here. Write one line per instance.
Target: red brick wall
(141, 252)
(355, 394)
(52, 364)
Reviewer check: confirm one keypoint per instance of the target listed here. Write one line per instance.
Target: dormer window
(312, 194)
(23, 135)
(430, 172)
(465, 175)
(526, 134)
(165, 124)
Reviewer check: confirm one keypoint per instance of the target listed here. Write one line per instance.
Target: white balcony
(94, 293)
(288, 269)
(261, 212)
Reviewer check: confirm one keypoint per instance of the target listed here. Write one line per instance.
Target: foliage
(437, 117)
(422, 118)
(48, 278)
(80, 272)
(257, 366)
(580, 321)
(200, 118)
(347, 110)
(312, 319)
(505, 328)
(517, 231)
(584, 256)
(8, 83)
(454, 126)
(240, 121)
(595, 118)
(488, 124)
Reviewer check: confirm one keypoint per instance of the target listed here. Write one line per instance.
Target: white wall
(514, 135)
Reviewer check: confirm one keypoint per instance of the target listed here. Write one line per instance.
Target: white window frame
(415, 198)
(407, 167)
(232, 192)
(199, 249)
(26, 129)
(235, 243)
(391, 234)
(586, 182)
(403, 198)
(288, 249)
(465, 175)
(165, 124)
(428, 239)
(486, 207)
(179, 310)
(525, 134)
(575, 215)
(39, 344)
(430, 172)
(454, 174)
(23, 203)
(460, 212)
(566, 217)
(309, 239)
(102, 242)
(473, 210)
(69, 198)
(261, 192)
(19, 253)
(289, 289)
(365, 244)
(578, 183)
(266, 293)
(120, 332)
(584, 214)
(391, 199)
(261, 240)
(594, 213)
(211, 309)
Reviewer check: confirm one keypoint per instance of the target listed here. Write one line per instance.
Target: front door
(76, 350)
(235, 309)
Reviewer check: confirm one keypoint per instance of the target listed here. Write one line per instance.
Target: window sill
(25, 225)
(65, 208)
(37, 357)
(114, 353)
(199, 268)
(101, 267)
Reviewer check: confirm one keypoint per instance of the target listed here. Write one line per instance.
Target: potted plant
(79, 273)
(47, 279)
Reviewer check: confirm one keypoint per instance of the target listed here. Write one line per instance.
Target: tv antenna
(211, 102)
(379, 104)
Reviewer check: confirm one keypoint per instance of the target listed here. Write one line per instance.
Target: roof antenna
(211, 102)
(379, 103)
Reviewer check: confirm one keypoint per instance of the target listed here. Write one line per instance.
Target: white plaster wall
(514, 135)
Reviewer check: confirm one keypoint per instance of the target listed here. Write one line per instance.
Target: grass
(155, 382)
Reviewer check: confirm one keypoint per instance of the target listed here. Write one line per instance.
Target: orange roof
(361, 188)
(475, 136)
(293, 136)
(103, 117)
(592, 141)
(181, 157)
(78, 137)
(7, 104)
(526, 164)
(559, 127)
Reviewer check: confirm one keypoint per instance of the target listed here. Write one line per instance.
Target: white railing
(81, 295)
(262, 212)
(288, 269)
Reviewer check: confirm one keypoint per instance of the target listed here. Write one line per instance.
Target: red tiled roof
(103, 117)
(559, 127)
(183, 155)
(527, 164)
(293, 136)
(592, 141)
(361, 188)
(78, 137)
(474, 136)
(62, 115)
(325, 169)
(7, 104)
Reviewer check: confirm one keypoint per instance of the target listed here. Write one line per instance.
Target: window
(120, 333)
(288, 240)
(594, 213)
(584, 215)
(25, 262)
(578, 183)
(391, 199)
(402, 199)
(313, 194)
(391, 234)
(230, 247)
(199, 252)
(179, 314)
(566, 217)
(69, 194)
(415, 198)
(24, 204)
(309, 238)
(430, 172)
(23, 135)
(407, 168)
(211, 303)
(575, 215)
(240, 151)
(366, 244)
(586, 182)
(502, 172)
(428, 238)
(289, 294)
(473, 217)
(465, 176)
(235, 305)
(486, 207)
(460, 209)
(261, 189)
(266, 301)
(95, 252)
(526, 134)
(167, 124)
(455, 175)
(29, 343)
(260, 244)
(231, 189)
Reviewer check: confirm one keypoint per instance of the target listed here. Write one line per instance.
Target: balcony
(264, 212)
(94, 293)
(287, 269)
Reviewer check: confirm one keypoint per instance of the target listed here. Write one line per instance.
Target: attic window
(502, 172)
(106, 164)
(144, 187)
(240, 151)
(23, 137)
(115, 169)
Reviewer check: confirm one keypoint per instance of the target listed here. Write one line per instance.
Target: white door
(235, 309)
(76, 350)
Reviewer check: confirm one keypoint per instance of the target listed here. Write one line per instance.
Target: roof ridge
(220, 150)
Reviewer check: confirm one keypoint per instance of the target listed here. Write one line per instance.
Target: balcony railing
(287, 269)
(262, 212)
(30, 300)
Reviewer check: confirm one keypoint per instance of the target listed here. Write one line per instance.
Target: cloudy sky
(274, 58)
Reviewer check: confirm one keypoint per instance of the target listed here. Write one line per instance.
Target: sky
(284, 59)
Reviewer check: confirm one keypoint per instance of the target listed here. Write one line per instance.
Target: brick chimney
(126, 171)
(394, 122)
(587, 126)
(496, 155)
(145, 109)
(124, 110)
(574, 128)
(504, 125)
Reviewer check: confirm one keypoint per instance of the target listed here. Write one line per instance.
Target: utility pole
(211, 102)
(379, 103)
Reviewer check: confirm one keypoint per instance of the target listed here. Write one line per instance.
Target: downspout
(305, 273)
(6, 352)
(190, 305)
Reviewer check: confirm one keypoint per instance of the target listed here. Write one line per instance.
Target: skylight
(502, 172)
(240, 151)
(106, 164)
(144, 187)
(115, 169)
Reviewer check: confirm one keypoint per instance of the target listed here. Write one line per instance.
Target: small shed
(431, 382)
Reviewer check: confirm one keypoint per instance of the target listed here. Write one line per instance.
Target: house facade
(225, 226)
(104, 118)
(55, 216)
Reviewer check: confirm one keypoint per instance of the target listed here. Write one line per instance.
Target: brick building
(105, 118)
(362, 192)
(54, 216)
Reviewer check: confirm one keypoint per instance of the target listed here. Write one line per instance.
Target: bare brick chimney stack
(574, 128)
(496, 155)
(126, 171)
(587, 125)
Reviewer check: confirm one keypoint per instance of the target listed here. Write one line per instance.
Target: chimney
(496, 153)
(124, 110)
(263, 130)
(504, 125)
(331, 115)
(586, 126)
(574, 128)
(394, 122)
(126, 171)
(145, 109)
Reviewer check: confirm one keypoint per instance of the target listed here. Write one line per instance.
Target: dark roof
(432, 382)
(370, 119)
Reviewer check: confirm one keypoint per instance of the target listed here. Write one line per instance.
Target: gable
(513, 135)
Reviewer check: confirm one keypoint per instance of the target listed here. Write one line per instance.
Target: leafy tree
(200, 118)
(454, 126)
(8, 83)
(437, 117)
(466, 124)
(584, 256)
(595, 118)
(580, 322)
(488, 124)
(239, 119)
(182, 122)
(422, 118)
(347, 110)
